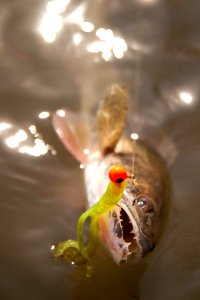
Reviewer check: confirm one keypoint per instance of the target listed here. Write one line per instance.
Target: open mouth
(127, 227)
(120, 233)
(128, 232)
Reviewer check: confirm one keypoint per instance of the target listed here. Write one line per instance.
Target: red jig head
(117, 174)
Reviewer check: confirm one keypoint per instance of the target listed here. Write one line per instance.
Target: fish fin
(111, 117)
(73, 133)
(125, 145)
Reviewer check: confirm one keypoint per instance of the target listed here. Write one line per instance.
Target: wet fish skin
(131, 228)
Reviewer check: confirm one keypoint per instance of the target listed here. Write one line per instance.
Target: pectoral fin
(73, 132)
(111, 117)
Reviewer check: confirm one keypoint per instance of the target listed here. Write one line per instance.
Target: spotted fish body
(131, 228)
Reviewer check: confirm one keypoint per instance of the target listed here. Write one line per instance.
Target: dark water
(42, 189)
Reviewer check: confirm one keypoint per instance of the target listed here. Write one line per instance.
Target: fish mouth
(127, 227)
(121, 233)
(130, 236)
(132, 230)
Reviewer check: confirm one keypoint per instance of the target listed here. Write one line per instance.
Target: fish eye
(142, 203)
(117, 174)
(145, 204)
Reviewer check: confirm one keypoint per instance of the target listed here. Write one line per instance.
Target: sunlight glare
(107, 55)
(105, 34)
(76, 17)
(50, 25)
(14, 140)
(119, 47)
(186, 97)
(134, 136)
(108, 44)
(87, 27)
(96, 47)
(40, 148)
(53, 247)
(57, 6)
(100, 33)
(60, 113)
(32, 129)
(21, 135)
(77, 38)
(4, 126)
(86, 151)
(43, 115)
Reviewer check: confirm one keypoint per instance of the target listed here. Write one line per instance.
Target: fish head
(130, 229)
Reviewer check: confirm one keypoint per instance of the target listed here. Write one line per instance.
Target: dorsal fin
(111, 117)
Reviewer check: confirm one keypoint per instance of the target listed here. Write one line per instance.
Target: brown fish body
(131, 228)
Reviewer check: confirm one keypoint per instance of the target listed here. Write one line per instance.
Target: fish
(132, 228)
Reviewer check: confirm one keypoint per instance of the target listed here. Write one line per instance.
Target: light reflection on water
(17, 141)
(52, 23)
(186, 97)
(4, 126)
(42, 188)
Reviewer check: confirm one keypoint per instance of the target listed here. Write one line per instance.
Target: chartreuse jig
(76, 252)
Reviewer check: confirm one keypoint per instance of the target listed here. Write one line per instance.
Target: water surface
(42, 186)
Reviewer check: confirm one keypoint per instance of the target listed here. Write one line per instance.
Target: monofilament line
(137, 78)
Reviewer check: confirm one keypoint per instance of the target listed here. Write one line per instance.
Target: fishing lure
(77, 252)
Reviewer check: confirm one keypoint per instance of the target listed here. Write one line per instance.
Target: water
(42, 189)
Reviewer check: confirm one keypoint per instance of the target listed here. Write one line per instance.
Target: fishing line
(135, 108)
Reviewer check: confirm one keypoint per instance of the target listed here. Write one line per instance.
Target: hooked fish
(131, 229)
